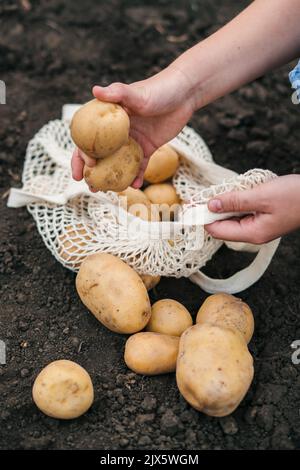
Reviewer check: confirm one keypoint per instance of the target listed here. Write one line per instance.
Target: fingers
(79, 159)
(245, 229)
(132, 97)
(77, 165)
(237, 201)
(138, 182)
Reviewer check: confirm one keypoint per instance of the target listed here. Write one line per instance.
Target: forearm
(264, 36)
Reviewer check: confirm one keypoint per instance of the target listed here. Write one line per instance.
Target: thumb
(235, 201)
(133, 97)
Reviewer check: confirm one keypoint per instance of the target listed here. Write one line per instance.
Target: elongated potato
(99, 128)
(229, 311)
(150, 281)
(114, 293)
(162, 165)
(169, 317)
(214, 368)
(117, 171)
(137, 204)
(151, 353)
(63, 389)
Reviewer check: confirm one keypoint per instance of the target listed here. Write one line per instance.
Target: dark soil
(51, 55)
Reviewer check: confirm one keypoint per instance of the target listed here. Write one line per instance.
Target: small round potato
(72, 243)
(150, 281)
(229, 311)
(117, 171)
(166, 199)
(162, 164)
(137, 204)
(114, 293)
(214, 368)
(151, 353)
(99, 128)
(63, 389)
(169, 317)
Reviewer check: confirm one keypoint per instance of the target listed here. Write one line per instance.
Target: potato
(151, 353)
(117, 171)
(162, 165)
(169, 317)
(114, 293)
(164, 195)
(138, 204)
(70, 243)
(150, 281)
(63, 389)
(227, 310)
(214, 368)
(99, 128)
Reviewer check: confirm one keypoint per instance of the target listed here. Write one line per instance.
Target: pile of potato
(214, 368)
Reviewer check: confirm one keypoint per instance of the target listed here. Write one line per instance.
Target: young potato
(214, 368)
(137, 204)
(165, 197)
(162, 165)
(151, 353)
(150, 281)
(227, 310)
(169, 317)
(99, 128)
(117, 171)
(114, 293)
(70, 243)
(63, 389)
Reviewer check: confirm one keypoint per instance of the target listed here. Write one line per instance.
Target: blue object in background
(294, 77)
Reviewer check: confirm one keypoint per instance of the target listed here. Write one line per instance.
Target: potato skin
(99, 128)
(162, 193)
(114, 293)
(150, 281)
(214, 369)
(63, 389)
(162, 165)
(71, 242)
(169, 317)
(228, 311)
(117, 171)
(150, 353)
(138, 204)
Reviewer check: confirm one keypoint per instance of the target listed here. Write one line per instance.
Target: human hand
(275, 208)
(158, 107)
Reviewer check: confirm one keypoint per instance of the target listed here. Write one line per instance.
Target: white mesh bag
(74, 222)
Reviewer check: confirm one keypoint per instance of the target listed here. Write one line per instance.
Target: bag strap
(243, 278)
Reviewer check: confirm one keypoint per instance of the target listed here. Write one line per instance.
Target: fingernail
(215, 205)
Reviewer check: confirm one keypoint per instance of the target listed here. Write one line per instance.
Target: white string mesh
(86, 223)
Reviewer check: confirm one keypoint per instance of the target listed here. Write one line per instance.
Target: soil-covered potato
(150, 353)
(63, 389)
(162, 165)
(114, 293)
(150, 281)
(169, 317)
(117, 171)
(99, 128)
(214, 368)
(137, 204)
(229, 311)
